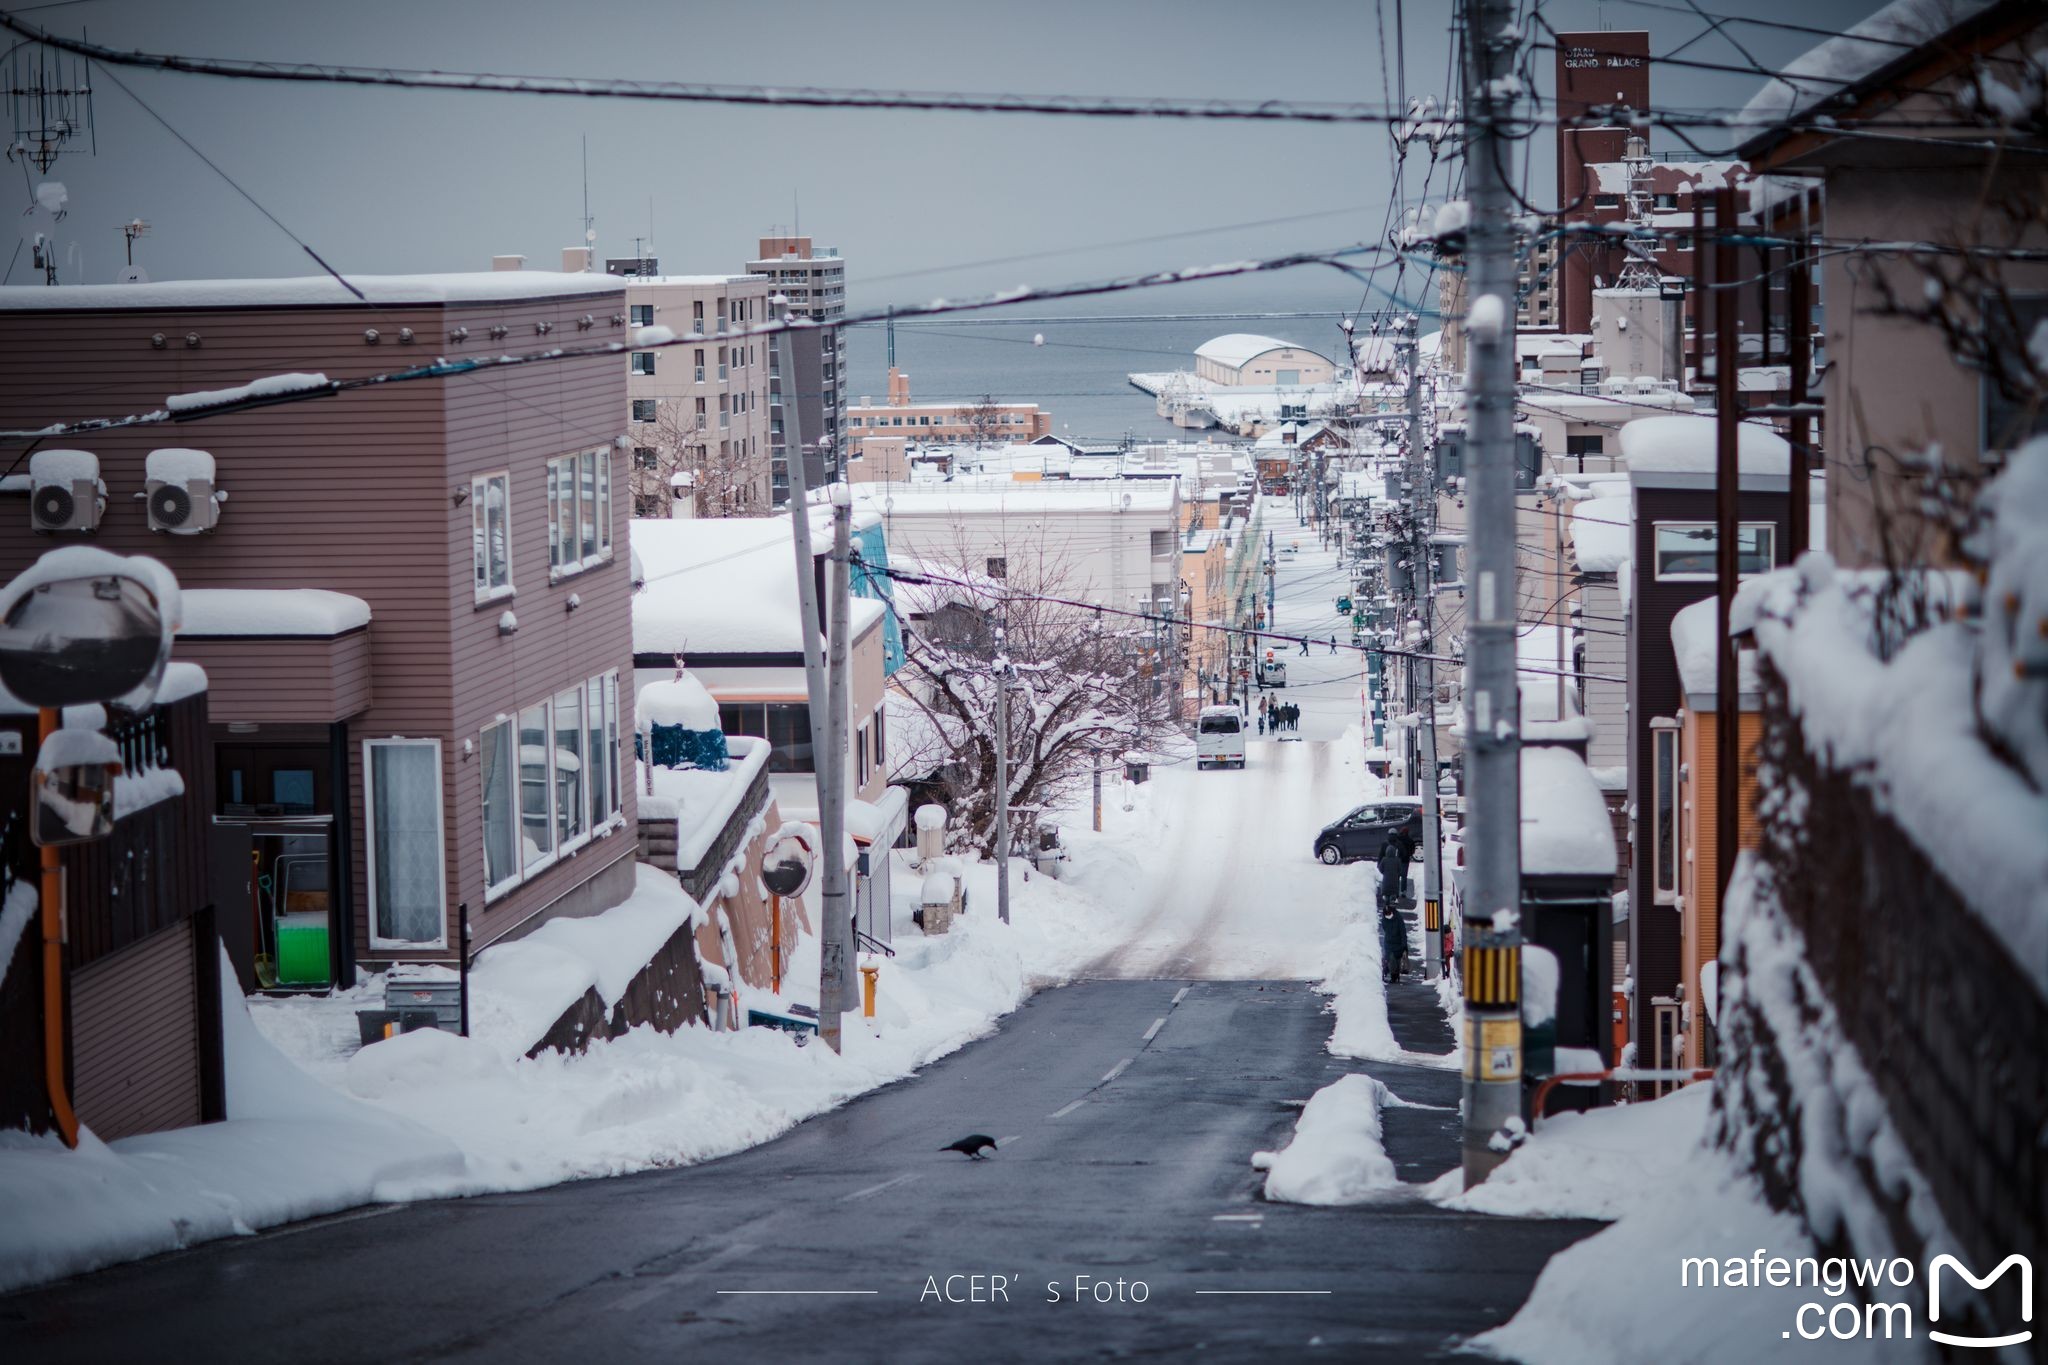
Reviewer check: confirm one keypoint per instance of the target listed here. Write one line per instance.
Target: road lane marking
(1014, 1137)
(1181, 994)
(1157, 1024)
(1237, 1218)
(877, 1189)
(1063, 1112)
(1116, 1071)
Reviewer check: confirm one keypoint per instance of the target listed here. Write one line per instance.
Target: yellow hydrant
(867, 991)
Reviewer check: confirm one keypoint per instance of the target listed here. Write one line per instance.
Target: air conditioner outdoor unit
(180, 492)
(65, 492)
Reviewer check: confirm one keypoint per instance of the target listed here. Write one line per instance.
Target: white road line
(1005, 1141)
(1068, 1109)
(877, 1189)
(1157, 1024)
(1181, 994)
(1237, 1218)
(1116, 1071)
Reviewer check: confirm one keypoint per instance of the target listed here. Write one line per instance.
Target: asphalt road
(1126, 1113)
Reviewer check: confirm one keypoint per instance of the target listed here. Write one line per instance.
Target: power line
(1079, 106)
(447, 369)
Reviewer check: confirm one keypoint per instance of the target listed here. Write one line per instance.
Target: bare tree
(677, 452)
(983, 419)
(1080, 689)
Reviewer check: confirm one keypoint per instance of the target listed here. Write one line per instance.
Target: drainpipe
(52, 908)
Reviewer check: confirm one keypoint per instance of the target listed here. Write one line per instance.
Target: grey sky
(394, 181)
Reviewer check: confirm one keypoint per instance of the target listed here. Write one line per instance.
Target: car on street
(1219, 737)
(1362, 833)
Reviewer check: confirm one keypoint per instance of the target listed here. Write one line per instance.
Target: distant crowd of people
(1278, 716)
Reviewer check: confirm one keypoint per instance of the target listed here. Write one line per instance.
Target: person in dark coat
(1304, 644)
(1395, 855)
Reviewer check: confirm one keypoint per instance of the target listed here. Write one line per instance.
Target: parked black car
(1361, 833)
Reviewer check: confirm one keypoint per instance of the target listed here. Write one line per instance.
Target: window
(1595, 444)
(644, 457)
(643, 315)
(724, 410)
(643, 409)
(697, 315)
(408, 902)
(999, 566)
(698, 362)
(860, 754)
(1667, 201)
(563, 753)
(643, 362)
(572, 813)
(721, 362)
(490, 499)
(785, 725)
(1162, 544)
(501, 833)
(1685, 550)
(1664, 810)
(579, 511)
(536, 819)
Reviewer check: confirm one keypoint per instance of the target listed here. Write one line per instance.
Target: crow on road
(971, 1145)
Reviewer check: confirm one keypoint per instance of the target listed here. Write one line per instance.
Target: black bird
(971, 1145)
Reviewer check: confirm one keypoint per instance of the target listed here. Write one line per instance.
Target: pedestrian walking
(1333, 644)
(1304, 644)
(1293, 715)
(1262, 721)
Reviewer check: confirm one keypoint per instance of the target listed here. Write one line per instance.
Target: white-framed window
(490, 504)
(1685, 549)
(402, 809)
(579, 512)
(502, 867)
(1664, 811)
(551, 780)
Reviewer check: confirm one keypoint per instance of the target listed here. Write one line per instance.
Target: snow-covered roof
(1862, 51)
(1565, 826)
(308, 291)
(1022, 499)
(272, 611)
(696, 281)
(1692, 641)
(724, 586)
(1600, 533)
(1235, 348)
(1685, 445)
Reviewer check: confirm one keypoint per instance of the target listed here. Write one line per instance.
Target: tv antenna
(51, 104)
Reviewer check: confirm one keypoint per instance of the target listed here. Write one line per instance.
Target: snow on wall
(272, 611)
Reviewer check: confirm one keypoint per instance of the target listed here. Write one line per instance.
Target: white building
(1245, 358)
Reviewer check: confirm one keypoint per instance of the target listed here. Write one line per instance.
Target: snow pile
(291, 1149)
(1875, 43)
(1336, 1156)
(701, 800)
(1678, 444)
(1599, 1164)
(1565, 826)
(1692, 641)
(1539, 985)
(1907, 729)
(2013, 674)
(1601, 533)
(272, 611)
(174, 464)
(269, 386)
(679, 701)
(518, 990)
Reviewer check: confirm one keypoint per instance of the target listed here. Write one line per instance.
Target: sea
(1070, 356)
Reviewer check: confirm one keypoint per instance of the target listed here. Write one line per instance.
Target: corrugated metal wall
(135, 1038)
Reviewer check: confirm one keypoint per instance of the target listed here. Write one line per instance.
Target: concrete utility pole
(1492, 931)
(1423, 518)
(1727, 550)
(835, 929)
(1002, 793)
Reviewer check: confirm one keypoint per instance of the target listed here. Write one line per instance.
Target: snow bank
(1598, 1164)
(1601, 533)
(1336, 1156)
(678, 701)
(702, 800)
(291, 1149)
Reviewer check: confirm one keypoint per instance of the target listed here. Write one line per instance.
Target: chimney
(508, 263)
(575, 260)
(899, 389)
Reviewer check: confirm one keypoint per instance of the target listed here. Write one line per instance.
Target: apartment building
(702, 445)
(412, 606)
(967, 420)
(813, 279)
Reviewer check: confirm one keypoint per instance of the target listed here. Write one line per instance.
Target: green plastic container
(302, 949)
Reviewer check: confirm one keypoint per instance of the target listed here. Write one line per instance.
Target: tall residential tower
(813, 361)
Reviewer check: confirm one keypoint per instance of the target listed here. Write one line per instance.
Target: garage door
(135, 1038)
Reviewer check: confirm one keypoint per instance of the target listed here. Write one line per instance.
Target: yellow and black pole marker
(1492, 966)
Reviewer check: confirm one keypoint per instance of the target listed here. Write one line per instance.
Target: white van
(1219, 737)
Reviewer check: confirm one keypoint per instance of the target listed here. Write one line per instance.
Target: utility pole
(1423, 507)
(1002, 793)
(835, 929)
(1727, 486)
(1492, 930)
